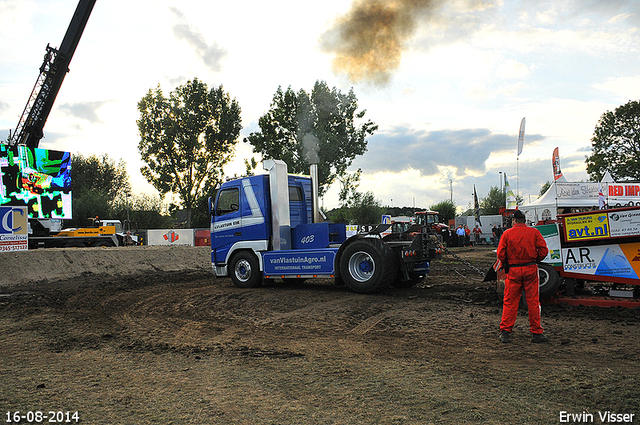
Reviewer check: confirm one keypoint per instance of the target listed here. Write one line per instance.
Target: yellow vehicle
(103, 233)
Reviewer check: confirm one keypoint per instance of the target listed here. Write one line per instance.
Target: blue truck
(267, 226)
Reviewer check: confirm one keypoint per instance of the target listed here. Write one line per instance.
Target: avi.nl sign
(13, 229)
(602, 225)
(586, 227)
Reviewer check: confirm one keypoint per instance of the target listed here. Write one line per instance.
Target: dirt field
(176, 346)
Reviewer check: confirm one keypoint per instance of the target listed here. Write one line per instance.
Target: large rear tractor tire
(367, 266)
(549, 280)
(245, 270)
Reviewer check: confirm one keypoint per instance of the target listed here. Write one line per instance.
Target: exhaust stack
(315, 207)
(279, 191)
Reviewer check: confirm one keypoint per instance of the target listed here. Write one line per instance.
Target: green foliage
(615, 144)
(356, 207)
(88, 205)
(301, 129)
(101, 188)
(144, 211)
(545, 187)
(366, 209)
(99, 174)
(363, 208)
(446, 210)
(401, 211)
(201, 216)
(186, 139)
(348, 187)
(495, 200)
(98, 183)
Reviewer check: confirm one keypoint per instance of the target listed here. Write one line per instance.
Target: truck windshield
(228, 201)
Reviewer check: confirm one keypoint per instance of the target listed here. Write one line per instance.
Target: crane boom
(55, 66)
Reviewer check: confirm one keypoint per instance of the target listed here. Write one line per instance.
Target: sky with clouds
(448, 82)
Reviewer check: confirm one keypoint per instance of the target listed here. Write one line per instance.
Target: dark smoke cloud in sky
(368, 41)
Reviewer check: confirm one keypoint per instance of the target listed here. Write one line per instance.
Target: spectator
(476, 234)
(494, 232)
(461, 235)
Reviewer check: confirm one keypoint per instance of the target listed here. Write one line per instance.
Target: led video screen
(39, 179)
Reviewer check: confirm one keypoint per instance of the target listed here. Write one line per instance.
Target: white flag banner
(521, 137)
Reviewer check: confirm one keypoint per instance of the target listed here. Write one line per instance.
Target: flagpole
(519, 150)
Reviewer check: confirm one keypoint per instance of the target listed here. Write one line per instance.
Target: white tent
(552, 203)
(562, 197)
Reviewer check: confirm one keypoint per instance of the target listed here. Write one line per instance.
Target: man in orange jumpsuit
(518, 251)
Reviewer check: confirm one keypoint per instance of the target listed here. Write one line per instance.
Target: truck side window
(228, 201)
(295, 193)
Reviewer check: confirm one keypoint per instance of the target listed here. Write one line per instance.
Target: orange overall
(520, 247)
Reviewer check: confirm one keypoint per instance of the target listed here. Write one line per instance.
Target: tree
(301, 129)
(99, 174)
(545, 187)
(616, 144)
(446, 210)
(186, 139)
(144, 211)
(362, 208)
(495, 200)
(356, 207)
(366, 209)
(98, 183)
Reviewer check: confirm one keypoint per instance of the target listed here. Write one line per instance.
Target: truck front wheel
(244, 270)
(367, 266)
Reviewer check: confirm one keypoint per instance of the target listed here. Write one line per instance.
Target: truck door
(297, 206)
(238, 216)
(300, 203)
(226, 221)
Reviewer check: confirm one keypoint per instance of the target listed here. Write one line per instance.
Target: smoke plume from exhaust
(311, 147)
(368, 41)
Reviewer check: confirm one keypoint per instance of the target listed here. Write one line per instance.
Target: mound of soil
(49, 265)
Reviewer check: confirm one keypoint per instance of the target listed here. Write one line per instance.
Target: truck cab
(264, 226)
(241, 216)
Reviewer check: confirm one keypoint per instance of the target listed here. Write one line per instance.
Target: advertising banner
(624, 223)
(310, 262)
(38, 179)
(617, 195)
(13, 229)
(587, 191)
(587, 227)
(551, 236)
(173, 237)
(621, 261)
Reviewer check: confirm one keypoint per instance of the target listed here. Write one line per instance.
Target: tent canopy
(562, 197)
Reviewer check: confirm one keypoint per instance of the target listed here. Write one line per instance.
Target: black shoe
(539, 338)
(505, 336)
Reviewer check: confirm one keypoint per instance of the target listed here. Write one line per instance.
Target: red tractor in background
(431, 222)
